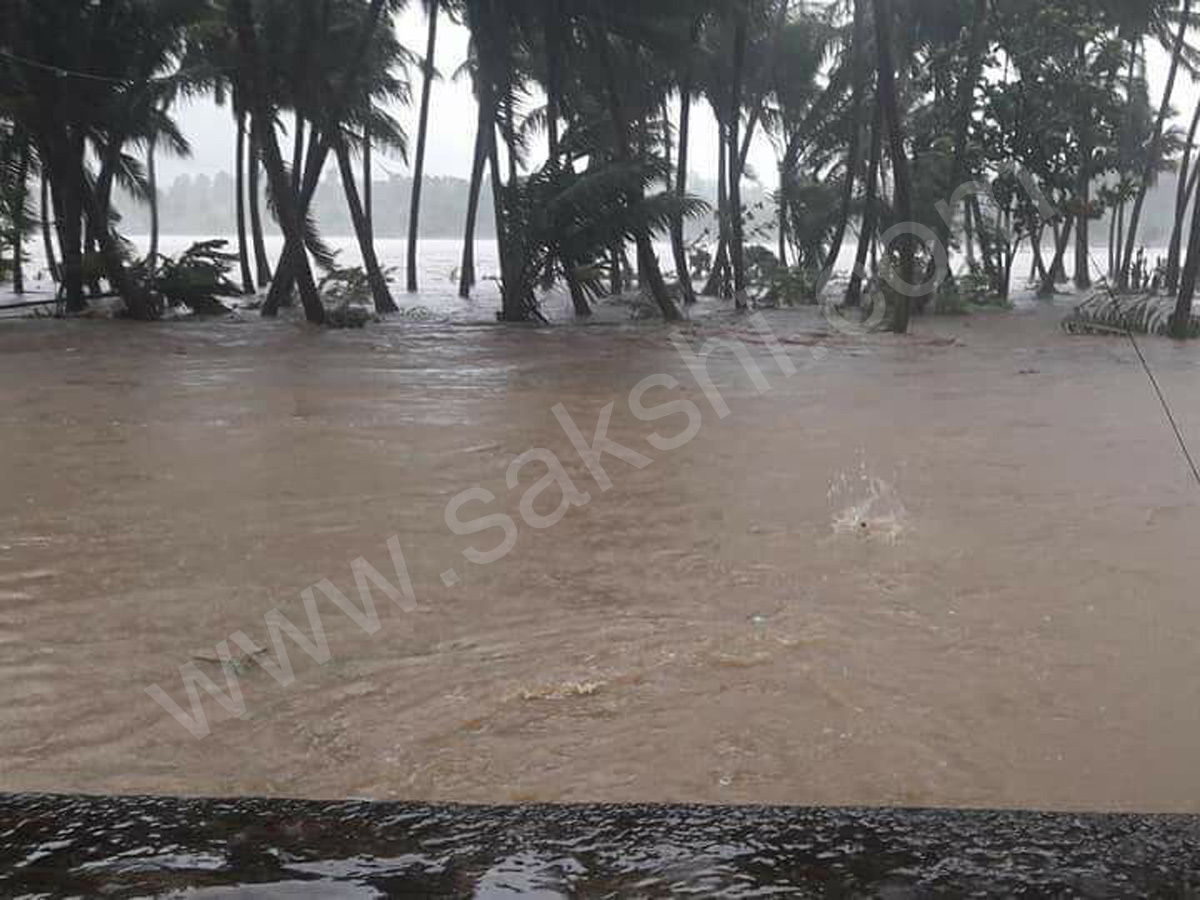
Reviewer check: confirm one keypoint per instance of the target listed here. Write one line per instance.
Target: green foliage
(791, 286)
(197, 280)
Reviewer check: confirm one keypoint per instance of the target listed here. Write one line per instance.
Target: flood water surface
(954, 569)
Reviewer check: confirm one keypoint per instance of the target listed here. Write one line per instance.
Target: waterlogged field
(948, 569)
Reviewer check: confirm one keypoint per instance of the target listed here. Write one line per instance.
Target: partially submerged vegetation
(879, 111)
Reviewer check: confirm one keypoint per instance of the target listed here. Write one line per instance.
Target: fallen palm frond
(1107, 313)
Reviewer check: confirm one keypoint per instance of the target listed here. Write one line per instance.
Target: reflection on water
(52, 847)
(1027, 640)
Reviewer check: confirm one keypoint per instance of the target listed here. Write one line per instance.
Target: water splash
(865, 505)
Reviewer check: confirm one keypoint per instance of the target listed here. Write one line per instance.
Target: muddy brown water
(1015, 626)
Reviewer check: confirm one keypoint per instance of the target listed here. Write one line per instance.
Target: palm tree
(599, 42)
(253, 75)
(47, 215)
(414, 216)
(682, 266)
(900, 171)
(1156, 140)
(342, 95)
(128, 50)
(1184, 194)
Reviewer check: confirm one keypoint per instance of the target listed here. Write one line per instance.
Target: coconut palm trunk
(854, 150)
(555, 36)
(466, 279)
(285, 198)
(47, 237)
(375, 277)
(737, 246)
(152, 186)
(1183, 199)
(19, 222)
(902, 184)
(66, 182)
(262, 263)
(1164, 112)
(647, 261)
(368, 183)
(682, 265)
(294, 260)
(718, 279)
(1062, 240)
(414, 215)
(870, 222)
(1182, 317)
(966, 108)
(248, 286)
(139, 304)
(297, 152)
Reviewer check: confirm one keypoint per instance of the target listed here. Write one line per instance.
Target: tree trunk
(647, 261)
(737, 247)
(718, 278)
(1083, 277)
(368, 184)
(297, 152)
(140, 305)
(290, 215)
(854, 149)
(1050, 282)
(358, 216)
(966, 107)
(152, 184)
(901, 176)
(870, 223)
(1182, 200)
(1181, 319)
(248, 286)
(66, 183)
(513, 308)
(1164, 111)
(781, 219)
(256, 225)
(47, 238)
(19, 222)
(682, 265)
(554, 92)
(294, 260)
(414, 215)
(467, 270)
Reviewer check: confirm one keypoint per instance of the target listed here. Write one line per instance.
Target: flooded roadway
(1015, 625)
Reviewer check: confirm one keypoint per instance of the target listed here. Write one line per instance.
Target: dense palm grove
(877, 110)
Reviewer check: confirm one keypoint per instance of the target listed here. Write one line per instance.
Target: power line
(62, 72)
(1162, 397)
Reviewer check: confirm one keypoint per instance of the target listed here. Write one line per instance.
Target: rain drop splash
(865, 505)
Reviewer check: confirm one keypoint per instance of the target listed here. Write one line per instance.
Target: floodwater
(139, 847)
(952, 569)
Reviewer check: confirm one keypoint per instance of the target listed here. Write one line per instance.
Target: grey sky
(452, 120)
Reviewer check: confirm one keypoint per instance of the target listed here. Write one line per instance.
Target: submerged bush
(196, 280)
(791, 286)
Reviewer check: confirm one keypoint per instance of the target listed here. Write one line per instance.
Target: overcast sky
(452, 117)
